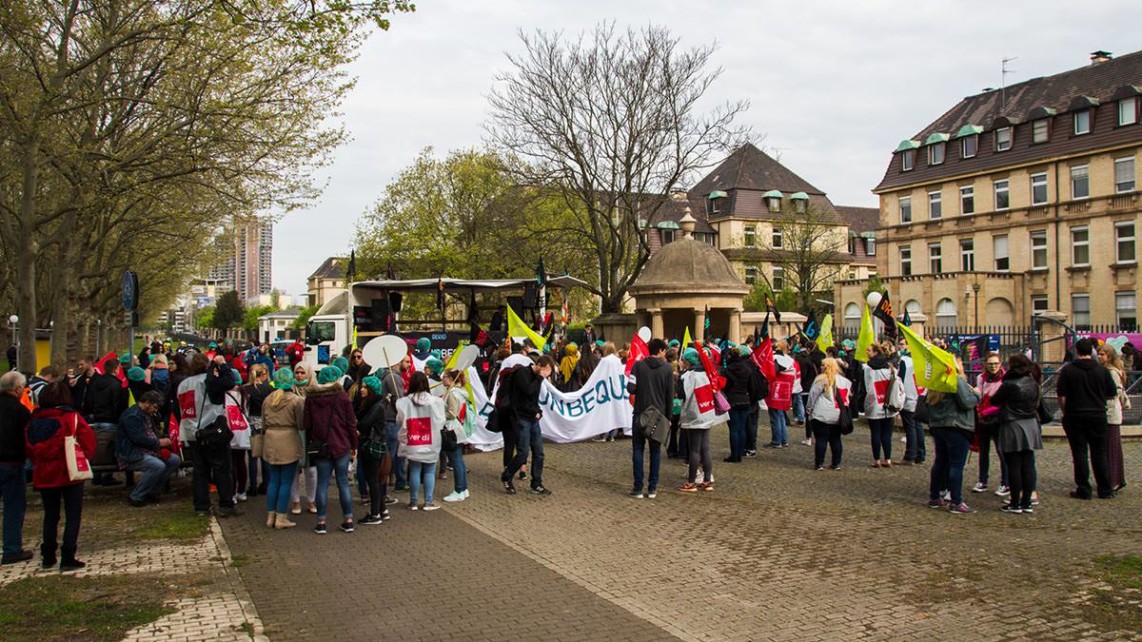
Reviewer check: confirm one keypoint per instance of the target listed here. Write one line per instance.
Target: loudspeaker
(395, 299)
(516, 303)
(382, 315)
(530, 295)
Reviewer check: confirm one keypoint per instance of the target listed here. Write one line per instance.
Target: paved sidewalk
(778, 552)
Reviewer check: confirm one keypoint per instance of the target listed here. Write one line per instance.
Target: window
(1124, 175)
(778, 238)
(1002, 258)
(935, 208)
(750, 275)
(1080, 311)
(1039, 188)
(1039, 303)
(1003, 139)
(852, 317)
(945, 314)
(1124, 242)
(800, 206)
(967, 255)
(907, 160)
(1002, 200)
(1039, 250)
(1039, 130)
(778, 279)
(905, 261)
(1082, 122)
(905, 209)
(1080, 182)
(870, 246)
(935, 258)
(714, 209)
(936, 154)
(750, 236)
(1124, 310)
(667, 236)
(969, 146)
(1128, 111)
(967, 200)
(1080, 246)
(774, 203)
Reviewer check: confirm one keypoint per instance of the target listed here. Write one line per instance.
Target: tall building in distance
(248, 270)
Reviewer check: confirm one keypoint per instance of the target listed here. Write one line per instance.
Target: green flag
(825, 338)
(935, 369)
(867, 335)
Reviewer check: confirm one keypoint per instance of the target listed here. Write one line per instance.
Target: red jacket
(44, 444)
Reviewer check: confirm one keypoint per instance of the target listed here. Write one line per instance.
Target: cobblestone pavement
(778, 552)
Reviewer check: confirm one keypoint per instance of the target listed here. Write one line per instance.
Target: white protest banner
(602, 404)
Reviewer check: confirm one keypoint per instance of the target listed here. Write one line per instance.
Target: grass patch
(238, 561)
(79, 609)
(173, 524)
(1121, 571)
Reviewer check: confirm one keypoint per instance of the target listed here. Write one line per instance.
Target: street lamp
(975, 289)
(14, 322)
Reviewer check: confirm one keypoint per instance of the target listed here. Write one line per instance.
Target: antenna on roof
(1003, 71)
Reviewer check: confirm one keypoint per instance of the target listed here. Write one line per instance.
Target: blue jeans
(416, 470)
(391, 432)
(103, 478)
(15, 503)
(638, 446)
(459, 470)
(948, 468)
(777, 421)
(277, 490)
(156, 474)
(799, 407)
(915, 449)
(530, 439)
(881, 431)
(325, 469)
(738, 419)
(751, 427)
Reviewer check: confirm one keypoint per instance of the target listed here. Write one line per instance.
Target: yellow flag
(935, 369)
(825, 338)
(451, 364)
(517, 329)
(867, 335)
(686, 340)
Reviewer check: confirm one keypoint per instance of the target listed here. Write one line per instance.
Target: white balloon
(644, 333)
(873, 299)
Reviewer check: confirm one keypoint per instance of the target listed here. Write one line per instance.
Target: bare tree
(611, 120)
(812, 252)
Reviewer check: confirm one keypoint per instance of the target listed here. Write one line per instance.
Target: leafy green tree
(250, 318)
(204, 318)
(229, 311)
(303, 317)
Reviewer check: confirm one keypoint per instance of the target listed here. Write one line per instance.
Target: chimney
(1097, 57)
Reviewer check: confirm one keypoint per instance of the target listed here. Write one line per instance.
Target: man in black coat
(1084, 386)
(652, 384)
(13, 421)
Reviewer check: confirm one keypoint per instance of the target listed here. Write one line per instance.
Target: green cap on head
(691, 355)
(341, 363)
(435, 365)
(743, 350)
(125, 359)
(136, 374)
(674, 343)
(213, 345)
(373, 384)
(423, 344)
(283, 379)
(329, 374)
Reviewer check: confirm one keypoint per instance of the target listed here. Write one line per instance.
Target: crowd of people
(248, 427)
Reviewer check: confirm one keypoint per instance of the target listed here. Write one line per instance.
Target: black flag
(883, 312)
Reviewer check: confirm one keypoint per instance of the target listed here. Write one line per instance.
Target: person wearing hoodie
(420, 415)
(741, 393)
(1083, 387)
(283, 419)
(1019, 432)
(652, 384)
(54, 420)
(829, 396)
(328, 418)
(877, 374)
(951, 417)
(697, 418)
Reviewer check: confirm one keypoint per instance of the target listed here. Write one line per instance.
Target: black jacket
(653, 386)
(741, 386)
(13, 422)
(104, 400)
(1018, 396)
(525, 387)
(1086, 385)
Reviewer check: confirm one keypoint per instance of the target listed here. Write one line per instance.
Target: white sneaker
(430, 507)
(806, 442)
(465, 493)
(946, 495)
(455, 496)
(979, 487)
(1003, 491)
(240, 497)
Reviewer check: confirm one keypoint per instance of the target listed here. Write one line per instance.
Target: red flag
(762, 356)
(716, 380)
(638, 352)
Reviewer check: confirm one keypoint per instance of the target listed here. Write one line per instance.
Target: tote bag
(78, 468)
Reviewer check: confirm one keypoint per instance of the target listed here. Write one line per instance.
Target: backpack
(894, 395)
(503, 391)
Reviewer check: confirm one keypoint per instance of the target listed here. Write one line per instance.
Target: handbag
(448, 441)
(216, 434)
(374, 449)
(78, 468)
(846, 420)
(655, 425)
(316, 449)
(721, 404)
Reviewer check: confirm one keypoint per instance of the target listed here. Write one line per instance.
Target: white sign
(602, 404)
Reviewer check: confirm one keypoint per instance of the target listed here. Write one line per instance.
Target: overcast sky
(833, 85)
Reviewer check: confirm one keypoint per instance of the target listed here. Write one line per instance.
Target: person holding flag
(915, 451)
(952, 418)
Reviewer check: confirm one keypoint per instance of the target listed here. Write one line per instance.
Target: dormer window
(969, 146)
(1082, 122)
(870, 246)
(772, 200)
(800, 202)
(714, 200)
(1003, 139)
(936, 154)
(907, 151)
(1040, 130)
(1128, 111)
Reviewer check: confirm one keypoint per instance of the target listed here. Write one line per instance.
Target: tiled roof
(1053, 97)
(752, 169)
(860, 219)
(332, 268)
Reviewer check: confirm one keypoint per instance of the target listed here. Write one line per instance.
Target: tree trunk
(25, 268)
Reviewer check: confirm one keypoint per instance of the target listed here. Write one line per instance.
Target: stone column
(735, 331)
(698, 333)
(656, 328)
